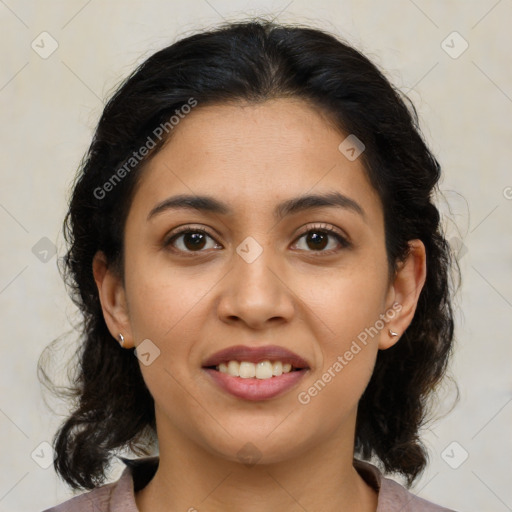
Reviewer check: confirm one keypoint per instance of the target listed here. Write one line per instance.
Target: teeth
(233, 368)
(264, 370)
(248, 370)
(277, 368)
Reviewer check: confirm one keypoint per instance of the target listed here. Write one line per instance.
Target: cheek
(168, 307)
(329, 400)
(164, 308)
(351, 309)
(349, 302)
(162, 299)
(348, 312)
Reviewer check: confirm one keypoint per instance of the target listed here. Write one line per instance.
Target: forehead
(255, 154)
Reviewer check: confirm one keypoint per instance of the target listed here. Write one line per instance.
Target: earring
(121, 339)
(393, 333)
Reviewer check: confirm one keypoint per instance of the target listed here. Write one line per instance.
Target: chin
(250, 448)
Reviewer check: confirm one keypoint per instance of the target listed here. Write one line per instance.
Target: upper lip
(255, 355)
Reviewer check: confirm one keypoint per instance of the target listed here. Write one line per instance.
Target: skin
(192, 304)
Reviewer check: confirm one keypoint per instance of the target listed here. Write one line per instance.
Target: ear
(405, 291)
(113, 299)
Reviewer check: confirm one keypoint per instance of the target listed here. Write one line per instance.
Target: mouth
(262, 370)
(255, 373)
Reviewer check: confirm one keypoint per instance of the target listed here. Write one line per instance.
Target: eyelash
(319, 228)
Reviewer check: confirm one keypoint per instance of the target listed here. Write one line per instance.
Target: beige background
(50, 107)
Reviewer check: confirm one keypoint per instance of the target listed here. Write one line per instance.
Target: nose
(256, 293)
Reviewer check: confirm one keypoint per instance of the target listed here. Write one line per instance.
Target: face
(254, 272)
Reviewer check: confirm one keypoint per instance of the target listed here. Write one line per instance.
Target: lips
(256, 355)
(263, 387)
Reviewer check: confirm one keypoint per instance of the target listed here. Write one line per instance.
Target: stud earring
(121, 339)
(393, 333)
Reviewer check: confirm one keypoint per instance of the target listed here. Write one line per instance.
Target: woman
(254, 222)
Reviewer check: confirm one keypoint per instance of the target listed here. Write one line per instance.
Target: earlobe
(405, 289)
(113, 299)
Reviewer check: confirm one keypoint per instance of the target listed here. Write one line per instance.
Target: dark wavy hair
(254, 61)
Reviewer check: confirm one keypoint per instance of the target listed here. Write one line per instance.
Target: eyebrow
(288, 207)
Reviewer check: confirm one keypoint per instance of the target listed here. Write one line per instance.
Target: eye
(317, 238)
(194, 239)
(190, 239)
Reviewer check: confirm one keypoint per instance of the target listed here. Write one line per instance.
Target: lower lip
(256, 389)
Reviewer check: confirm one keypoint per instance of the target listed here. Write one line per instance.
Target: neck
(191, 478)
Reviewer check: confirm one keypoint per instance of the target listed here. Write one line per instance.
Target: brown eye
(317, 240)
(189, 240)
(322, 238)
(194, 241)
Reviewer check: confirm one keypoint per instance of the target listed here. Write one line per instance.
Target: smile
(261, 370)
(255, 373)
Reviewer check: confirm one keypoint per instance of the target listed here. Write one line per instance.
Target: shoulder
(116, 496)
(97, 500)
(395, 495)
(392, 495)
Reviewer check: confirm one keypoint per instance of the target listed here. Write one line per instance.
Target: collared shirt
(119, 496)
